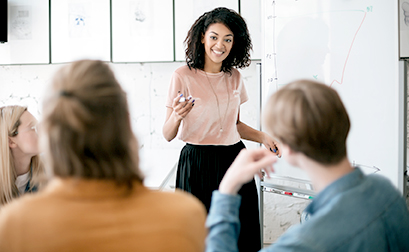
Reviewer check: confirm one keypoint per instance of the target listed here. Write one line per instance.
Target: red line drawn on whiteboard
(349, 51)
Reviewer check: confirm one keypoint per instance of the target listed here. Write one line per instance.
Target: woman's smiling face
(218, 42)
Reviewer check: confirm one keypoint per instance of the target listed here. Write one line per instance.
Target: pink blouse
(209, 123)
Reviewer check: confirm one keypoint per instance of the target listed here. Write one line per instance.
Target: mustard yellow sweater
(95, 215)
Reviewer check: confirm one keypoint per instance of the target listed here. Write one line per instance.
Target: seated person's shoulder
(21, 204)
(382, 185)
(179, 200)
(16, 212)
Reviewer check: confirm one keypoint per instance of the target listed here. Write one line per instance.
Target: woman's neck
(212, 68)
(321, 176)
(21, 164)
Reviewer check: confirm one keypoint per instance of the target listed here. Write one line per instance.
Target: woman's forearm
(171, 126)
(248, 133)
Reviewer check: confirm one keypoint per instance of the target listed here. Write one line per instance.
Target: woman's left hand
(271, 144)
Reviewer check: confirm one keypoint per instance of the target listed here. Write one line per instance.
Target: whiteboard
(80, 29)
(28, 33)
(142, 30)
(352, 46)
(186, 13)
(404, 28)
(250, 10)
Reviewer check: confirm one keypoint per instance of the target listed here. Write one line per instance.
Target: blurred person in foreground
(95, 200)
(350, 212)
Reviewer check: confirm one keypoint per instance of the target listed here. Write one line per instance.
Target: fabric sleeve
(224, 228)
(243, 93)
(223, 223)
(294, 239)
(176, 85)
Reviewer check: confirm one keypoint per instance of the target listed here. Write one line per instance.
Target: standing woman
(20, 165)
(203, 109)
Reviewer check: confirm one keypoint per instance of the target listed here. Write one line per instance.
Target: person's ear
(288, 154)
(289, 150)
(12, 144)
(284, 147)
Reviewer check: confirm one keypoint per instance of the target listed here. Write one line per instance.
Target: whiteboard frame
(403, 125)
(155, 25)
(87, 38)
(27, 48)
(403, 30)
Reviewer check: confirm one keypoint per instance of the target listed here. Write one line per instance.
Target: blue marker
(273, 150)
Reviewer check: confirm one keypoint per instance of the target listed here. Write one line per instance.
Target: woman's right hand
(247, 164)
(175, 115)
(182, 107)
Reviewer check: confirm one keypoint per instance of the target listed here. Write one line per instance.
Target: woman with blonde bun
(95, 200)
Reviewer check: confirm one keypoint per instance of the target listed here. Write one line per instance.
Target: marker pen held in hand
(183, 99)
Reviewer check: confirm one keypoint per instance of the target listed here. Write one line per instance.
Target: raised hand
(182, 106)
(247, 164)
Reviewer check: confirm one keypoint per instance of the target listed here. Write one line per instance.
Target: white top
(21, 182)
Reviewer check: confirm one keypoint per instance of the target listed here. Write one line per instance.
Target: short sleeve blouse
(212, 121)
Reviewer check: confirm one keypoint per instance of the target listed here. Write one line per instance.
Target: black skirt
(200, 170)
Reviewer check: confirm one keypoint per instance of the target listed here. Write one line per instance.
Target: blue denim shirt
(354, 213)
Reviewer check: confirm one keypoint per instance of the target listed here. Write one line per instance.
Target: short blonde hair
(310, 118)
(86, 125)
(9, 123)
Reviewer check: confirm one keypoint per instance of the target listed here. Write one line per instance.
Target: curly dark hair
(239, 55)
